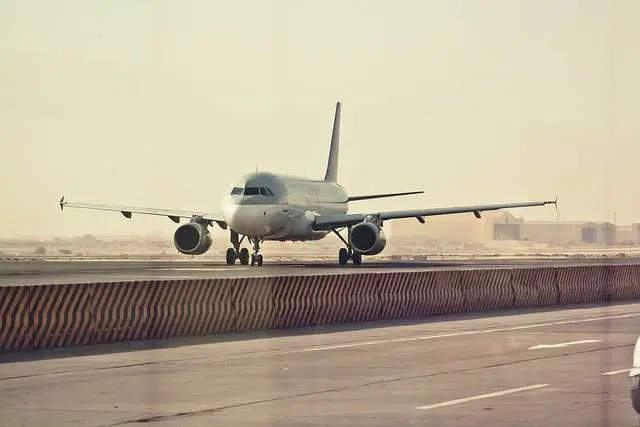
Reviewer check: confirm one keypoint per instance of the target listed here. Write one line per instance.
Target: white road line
(455, 334)
(619, 371)
(337, 346)
(483, 396)
(198, 269)
(562, 344)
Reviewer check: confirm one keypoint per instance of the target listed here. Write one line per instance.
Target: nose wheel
(256, 256)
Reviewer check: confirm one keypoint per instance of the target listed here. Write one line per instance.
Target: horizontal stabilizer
(379, 196)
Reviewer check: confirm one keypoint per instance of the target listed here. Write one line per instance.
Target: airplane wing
(379, 196)
(329, 222)
(127, 211)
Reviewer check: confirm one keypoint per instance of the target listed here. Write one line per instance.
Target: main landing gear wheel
(244, 256)
(256, 259)
(356, 258)
(231, 256)
(344, 255)
(235, 252)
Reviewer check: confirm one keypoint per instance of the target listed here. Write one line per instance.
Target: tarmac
(553, 367)
(60, 272)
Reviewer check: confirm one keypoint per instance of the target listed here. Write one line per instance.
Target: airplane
(264, 206)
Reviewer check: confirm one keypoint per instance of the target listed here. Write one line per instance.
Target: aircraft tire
(231, 256)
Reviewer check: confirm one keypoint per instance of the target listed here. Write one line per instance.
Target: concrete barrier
(47, 316)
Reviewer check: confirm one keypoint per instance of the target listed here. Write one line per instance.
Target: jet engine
(367, 238)
(192, 238)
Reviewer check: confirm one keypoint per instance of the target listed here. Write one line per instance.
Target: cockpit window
(251, 191)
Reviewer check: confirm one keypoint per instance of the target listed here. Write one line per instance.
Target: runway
(540, 368)
(109, 271)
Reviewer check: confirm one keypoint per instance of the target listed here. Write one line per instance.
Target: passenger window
(237, 191)
(251, 191)
(263, 191)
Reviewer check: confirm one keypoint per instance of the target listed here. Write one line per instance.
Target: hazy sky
(165, 104)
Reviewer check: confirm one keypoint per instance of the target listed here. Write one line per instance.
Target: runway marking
(199, 269)
(457, 334)
(562, 344)
(619, 371)
(483, 396)
(338, 346)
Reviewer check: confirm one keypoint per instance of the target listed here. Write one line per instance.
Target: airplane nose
(230, 212)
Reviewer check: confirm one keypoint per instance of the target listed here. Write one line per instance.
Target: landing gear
(343, 256)
(235, 252)
(256, 256)
(356, 258)
(346, 254)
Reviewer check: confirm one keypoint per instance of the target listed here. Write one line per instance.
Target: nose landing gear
(256, 256)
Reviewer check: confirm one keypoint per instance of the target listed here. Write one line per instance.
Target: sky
(166, 103)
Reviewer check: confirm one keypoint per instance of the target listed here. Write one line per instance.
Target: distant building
(624, 233)
(460, 228)
(503, 226)
(566, 233)
(554, 232)
(603, 233)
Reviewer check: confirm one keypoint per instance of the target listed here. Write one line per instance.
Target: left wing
(127, 211)
(329, 222)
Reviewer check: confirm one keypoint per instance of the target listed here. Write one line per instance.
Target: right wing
(127, 211)
(379, 196)
(329, 222)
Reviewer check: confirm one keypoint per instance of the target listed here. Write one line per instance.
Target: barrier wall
(46, 316)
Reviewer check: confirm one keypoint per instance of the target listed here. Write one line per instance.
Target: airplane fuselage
(280, 207)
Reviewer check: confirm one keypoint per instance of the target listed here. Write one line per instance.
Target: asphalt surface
(109, 271)
(452, 371)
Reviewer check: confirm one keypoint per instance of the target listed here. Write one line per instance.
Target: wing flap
(328, 222)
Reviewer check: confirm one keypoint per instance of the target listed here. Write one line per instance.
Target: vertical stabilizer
(331, 174)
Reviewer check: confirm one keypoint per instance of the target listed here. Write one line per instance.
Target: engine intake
(367, 238)
(192, 238)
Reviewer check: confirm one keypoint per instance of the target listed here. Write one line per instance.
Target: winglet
(331, 175)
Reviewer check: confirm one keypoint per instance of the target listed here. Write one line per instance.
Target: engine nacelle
(192, 238)
(367, 238)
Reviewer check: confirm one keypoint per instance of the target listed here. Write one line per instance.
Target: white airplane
(266, 206)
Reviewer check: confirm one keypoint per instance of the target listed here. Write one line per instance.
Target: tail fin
(331, 175)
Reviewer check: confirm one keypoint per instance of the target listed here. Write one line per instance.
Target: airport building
(628, 234)
(462, 228)
(502, 225)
